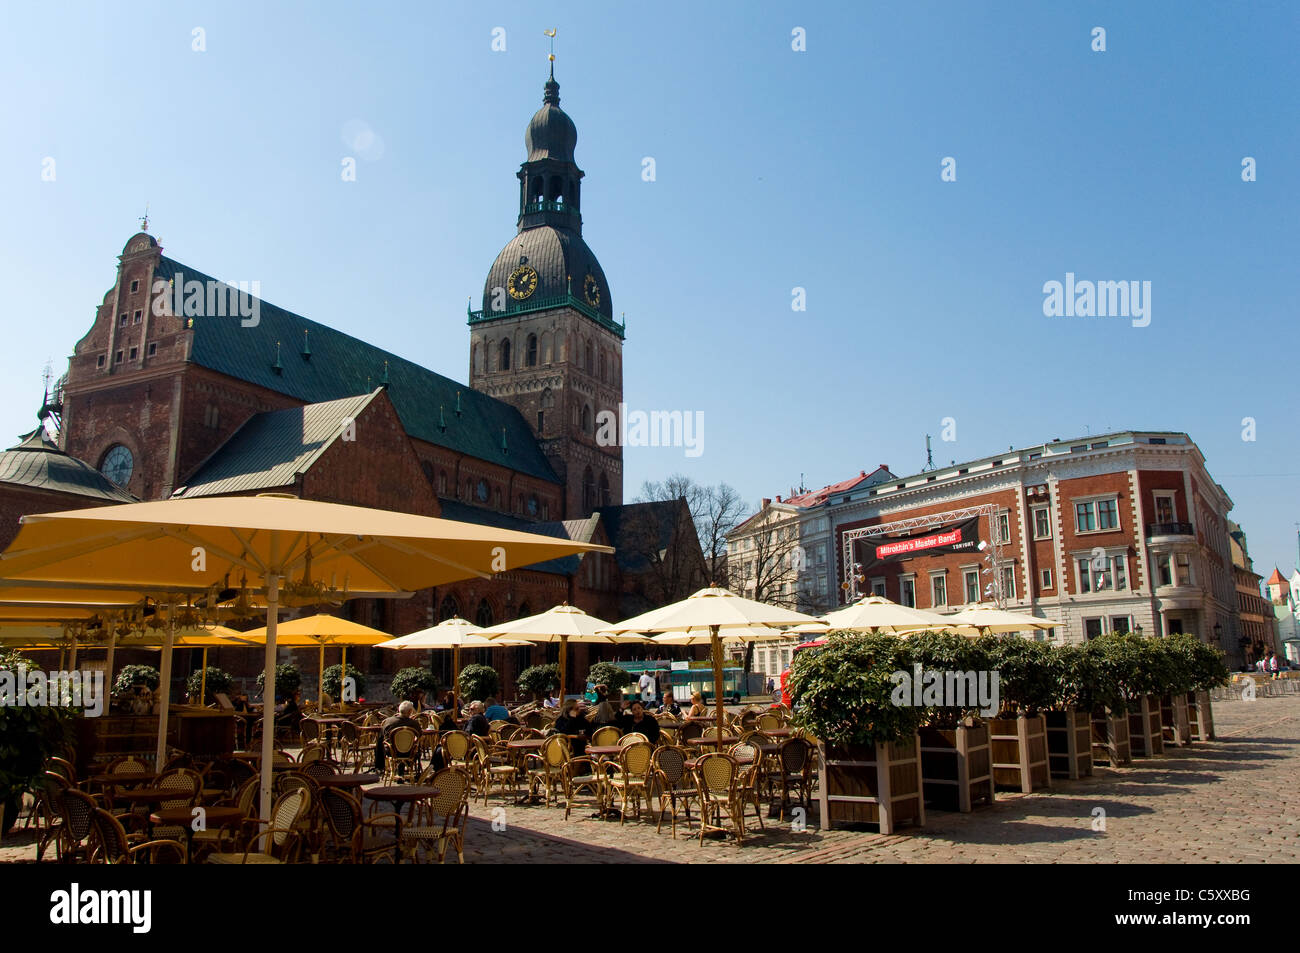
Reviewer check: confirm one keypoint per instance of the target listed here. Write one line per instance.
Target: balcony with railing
(535, 208)
(529, 306)
(1169, 529)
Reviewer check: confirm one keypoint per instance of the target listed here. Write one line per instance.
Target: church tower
(545, 339)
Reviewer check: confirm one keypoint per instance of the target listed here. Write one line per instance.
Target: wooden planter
(1200, 716)
(1020, 753)
(956, 766)
(1144, 733)
(1069, 743)
(1110, 739)
(1174, 721)
(861, 784)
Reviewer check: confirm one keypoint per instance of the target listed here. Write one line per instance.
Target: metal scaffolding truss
(989, 511)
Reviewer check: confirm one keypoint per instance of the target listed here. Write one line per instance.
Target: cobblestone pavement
(1233, 800)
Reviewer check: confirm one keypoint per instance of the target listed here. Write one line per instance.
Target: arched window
(588, 357)
(442, 482)
(448, 609)
(586, 418)
(524, 611)
(588, 490)
(476, 358)
(604, 490)
(547, 343)
(602, 368)
(548, 399)
(530, 357)
(483, 618)
(505, 354)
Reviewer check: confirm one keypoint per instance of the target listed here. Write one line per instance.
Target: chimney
(862, 473)
(778, 497)
(766, 501)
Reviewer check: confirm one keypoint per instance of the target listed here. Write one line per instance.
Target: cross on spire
(144, 219)
(551, 33)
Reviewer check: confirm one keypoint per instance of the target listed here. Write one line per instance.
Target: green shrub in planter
(843, 693)
(1174, 659)
(28, 736)
(477, 682)
(408, 683)
(287, 680)
(218, 680)
(1142, 668)
(538, 680)
(943, 651)
(332, 681)
(133, 675)
(610, 675)
(1027, 677)
(1088, 676)
(1203, 662)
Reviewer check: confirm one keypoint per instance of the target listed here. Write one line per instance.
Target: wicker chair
(48, 814)
(62, 766)
(769, 720)
(795, 757)
(668, 736)
(354, 838)
(605, 735)
(402, 752)
(691, 729)
(110, 844)
(281, 838)
(716, 777)
(750, 759)
(458, 748)
(669, 772)
(546, 769)
(232, 838)
(581, 773)
(451, 805)
(309, 731)
(631, 738)
(350, 745)
(76, 808)
(188, 786)
(631, 778)
(492, 768)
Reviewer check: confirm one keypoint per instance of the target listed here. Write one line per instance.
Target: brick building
(1258, 634)
(185, 386)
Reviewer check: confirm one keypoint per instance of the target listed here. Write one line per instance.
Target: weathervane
(551, 57)
(144, 219)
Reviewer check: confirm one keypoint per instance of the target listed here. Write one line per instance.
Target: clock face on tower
(118, 464)
(591, 291)
(522, 282)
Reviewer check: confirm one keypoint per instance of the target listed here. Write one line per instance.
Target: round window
(118, 464)
(482, 491)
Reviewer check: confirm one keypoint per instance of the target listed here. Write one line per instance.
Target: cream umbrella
(712, 616)
(564, 624)
(320, 630)
(987, 618)
(878, 614)
(191, 545)
(454, 633)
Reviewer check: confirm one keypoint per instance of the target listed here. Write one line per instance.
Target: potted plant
(1140, 668)
(956, 759)
(477, 682)
(287, 680)
(539, 680)
(1019, 734)
(412, 682)
(844, 695)
(28, 736)
(332, 683)
(1104, 698)
(1206, 670)
(1069, 722)
(1174, 665)
(610, 675)
(218, 680)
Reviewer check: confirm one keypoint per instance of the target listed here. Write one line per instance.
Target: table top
(327, 719)
(401, 792)
(147, 795)
(777, 732)
(604, 749)
(526, 743)
(116, 779)
(348, 780)
(724, 740)
(185, 815)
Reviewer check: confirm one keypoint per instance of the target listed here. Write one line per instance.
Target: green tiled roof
(342, 366)
(37, 463)
(464, 513)
(272, 448)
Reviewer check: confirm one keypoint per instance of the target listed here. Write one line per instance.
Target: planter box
(861, 784)
(1110, 739)
(1200, 716)
(1069, 743)
(1144, 733)
(956, 767)
(1020, 753)
(1174, 720)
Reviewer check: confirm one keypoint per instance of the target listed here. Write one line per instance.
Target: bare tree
(715, 511)
(767, 568)
(661, 538)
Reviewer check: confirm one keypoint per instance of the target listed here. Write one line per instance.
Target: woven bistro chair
(47, 812)
(492, 769)
(666, 782)
(605, 735)
(439, 821)
(188, 786)
(76, 808)
(279, 841)
(496, 726)
(546, 769)
(668, 736)
(769, 720)
(457, 747)
(750, 759)
(233, 837)
(689, 730)
(795, 759)
(630, 779)
(535, 720)
(110, 844)
(401, 751)
(631, 738)
(309, 731)
(716, 777)
(354, 838)
(63, 767)
(350, 745)
(748, 719)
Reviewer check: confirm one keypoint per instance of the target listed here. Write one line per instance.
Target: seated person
(574, 722)
(670, 706)
(697, 706)
(448, 722)
(405, 717)
(604, 713)
(288, 712)
(640, 721)
(240, 701)
(478, 722)
(551, 701)
(495, 711)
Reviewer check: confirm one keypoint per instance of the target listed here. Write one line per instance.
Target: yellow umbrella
(319, 630)
(712, 616)
(564, 624)
(453, 633)
(192, 545)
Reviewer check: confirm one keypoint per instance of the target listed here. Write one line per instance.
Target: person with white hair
(405, 717)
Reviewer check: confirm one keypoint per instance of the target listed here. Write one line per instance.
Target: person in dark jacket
(640, 721)
(478, 723)
(405, 717)
(574, 722)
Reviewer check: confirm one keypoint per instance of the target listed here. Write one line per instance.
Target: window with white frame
(1004, 527)
(878, 586)
(1165, 508)
(938, 589)
(1183, 564)
(1042, 522)
(1096, 516)
(971, 584)
(1099, 573)
(1119, 624)
(1008, 582)
(907, 591)
(1045, 578)
(1165, 570)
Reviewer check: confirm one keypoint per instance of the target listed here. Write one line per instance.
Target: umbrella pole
(564, 656)
(717, 678)
(455, 681)
(203, 678)
(343, 671)
(165, 687)
(268, 696)
(108, 662)
(72, 662)
(320, 680)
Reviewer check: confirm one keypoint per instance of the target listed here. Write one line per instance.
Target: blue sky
(775, 169)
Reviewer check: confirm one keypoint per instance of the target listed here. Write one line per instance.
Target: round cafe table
(184, 817)
(149, 795)
(125, 780)
(778, 732)
(604, 751)
(395, 794)
(715, 742)
(348, 780)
